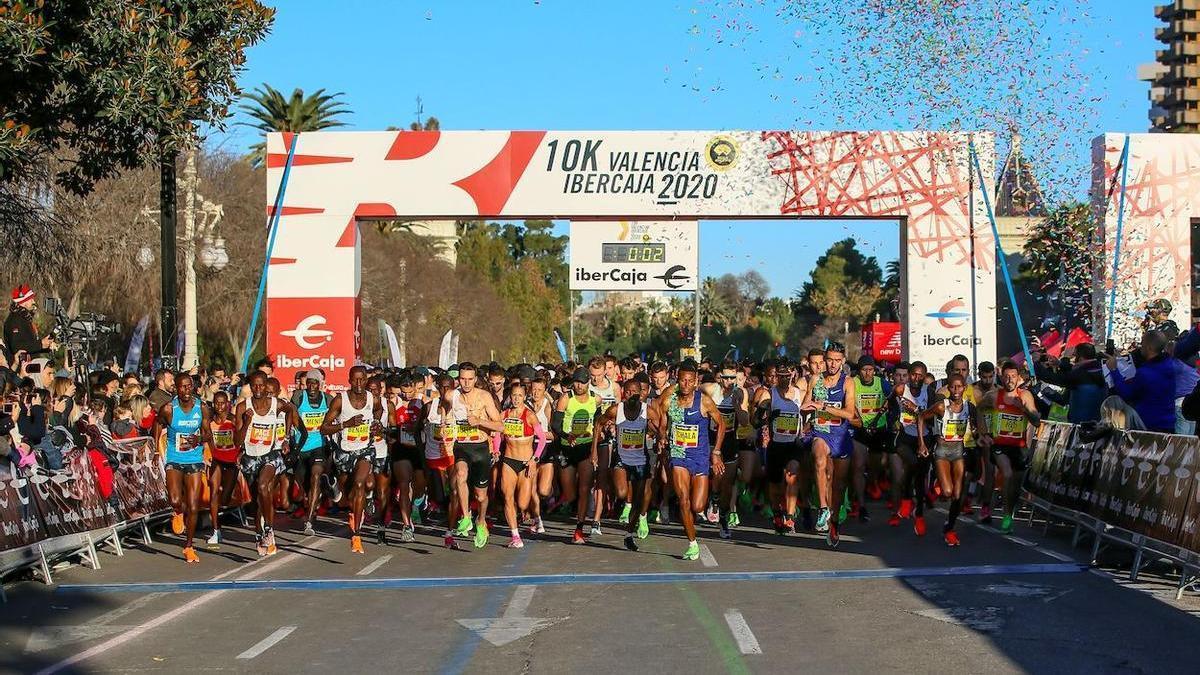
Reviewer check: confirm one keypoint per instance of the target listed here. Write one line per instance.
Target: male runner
(185, 422)
(870, 437)
(778, 412)
(632, 472)
(602, 384)
(732, 403)
(574, 418)
(982, 467)
(954, 420)
(477, 415)
(913, 445)
(1012, 410)
(683, 441)
(832, 398)
(407, 458)
(353, 416)
(257, 417)
(312, 406)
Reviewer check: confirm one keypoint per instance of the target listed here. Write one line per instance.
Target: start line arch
(922, 179)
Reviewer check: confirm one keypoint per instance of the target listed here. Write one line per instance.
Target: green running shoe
(481, 536)
(692, 552)
(1006, 524)
(643, 528)
(624, 519)
(843, 513)
(734, 521)
(744, 500)
(464, 526)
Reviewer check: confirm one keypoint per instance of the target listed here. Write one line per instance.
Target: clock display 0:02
(633, 253)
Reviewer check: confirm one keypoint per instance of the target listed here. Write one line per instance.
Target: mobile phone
(8, 407)
(1110, 347)
(33, 369)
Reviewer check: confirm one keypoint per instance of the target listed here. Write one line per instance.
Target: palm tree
(714, 307)
(272, 112)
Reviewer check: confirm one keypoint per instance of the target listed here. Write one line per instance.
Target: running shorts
(731, 448)
(1015, 455)
(841, 446)
(304, 468)
(636, 472)
(253, 466)
(443, 463)
(478, 458)
(571, 456)
(948, 452)
(347, 461)
(517, 465)
(409, 453)
(779, 455)
(185, 467)
(696, 463)
(907, 445)
(875, 440)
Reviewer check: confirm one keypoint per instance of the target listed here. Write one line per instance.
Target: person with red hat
(20, 333)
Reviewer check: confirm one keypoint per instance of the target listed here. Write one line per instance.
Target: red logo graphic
(308, 333)
(948, 317)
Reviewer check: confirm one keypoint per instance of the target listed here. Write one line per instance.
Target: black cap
(580, 375)
(866, 360)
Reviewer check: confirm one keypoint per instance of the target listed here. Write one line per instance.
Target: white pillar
(191, 356)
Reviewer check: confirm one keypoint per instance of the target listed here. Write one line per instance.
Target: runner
(871, 435)
(223, 473)
(380, 502)
(354, 416)
(185, 423)
(1012, 410)
(778, 409)
(983, 467)
(440, 429)
(477, 417)
(732, 404)
(832, 398)
(602, 385)
(954, 421)
(521, 454)
(262, 457)
(543, 407)
(632, 472)
(407, 459)
(574, 417)
(313, 405)
(682, 442)
(912, 446)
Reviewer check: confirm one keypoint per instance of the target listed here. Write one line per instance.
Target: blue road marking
(562, 579)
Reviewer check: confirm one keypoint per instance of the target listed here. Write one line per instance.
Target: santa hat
(22, 293)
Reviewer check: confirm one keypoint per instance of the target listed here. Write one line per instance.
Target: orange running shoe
(269, 538)
(919, 526)
(189, 555)
(356, 544)
(906, 508)
(951, 538)
(177, 523)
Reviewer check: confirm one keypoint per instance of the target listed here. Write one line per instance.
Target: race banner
(139, 482)
(69, 500)
(19, 523)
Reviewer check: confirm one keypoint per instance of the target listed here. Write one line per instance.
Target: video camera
(80, 334)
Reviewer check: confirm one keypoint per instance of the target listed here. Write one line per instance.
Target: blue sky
(653, 65)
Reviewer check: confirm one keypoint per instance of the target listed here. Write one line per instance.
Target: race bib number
(730, 418)
(787, 424)
(684, 437)
(223, 438)
(870, 405)
(1010, 426)
(444, 432)
(581, 426)
(908, 419)
(514, 427)
(261, 434)
(826, 420)
(954, 430)
(280, 432)
(312, 420)
(358, 434)
(633, 439)
(181, 442)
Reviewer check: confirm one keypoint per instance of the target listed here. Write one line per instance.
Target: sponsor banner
(307, 333)
(635, 255)
(19, 522)
(140, 482)
(69, 501)
(883, 341)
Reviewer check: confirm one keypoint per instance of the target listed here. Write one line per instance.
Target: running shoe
(951, 538)
(863, 516)
(516, 542)
(768, 512)
(832, 538)
(734, 520)
(189, 555)
(595, 532)
(985, 515)
(416, 516)
(725, 534)
(967, 507)
(214, 541)
(711, 515)
(335, 492)
(269, 539)
(177, 523)
(692, 552)
(789, 526)
(894, 520)
(300, 513)
(308, 530)
(661, 517)
(465, 526)
(823, 520)
(407, 535)
(806, 519)
(260, 546)
(538, 527)
(356, 544)
(577, 537)
(744, 500)
(449, 542)
(481, 536)
(643, 528)
(777, 521)
(624, 518)
(843, 512)
(906, 508)
(630, 543)
(919, 526)
(1006, 524)
(873, 491)
(381, 536)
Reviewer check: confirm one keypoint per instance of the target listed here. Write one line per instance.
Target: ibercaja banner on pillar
(339, 178)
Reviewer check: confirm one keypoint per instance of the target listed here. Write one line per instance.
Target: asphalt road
(884, 601)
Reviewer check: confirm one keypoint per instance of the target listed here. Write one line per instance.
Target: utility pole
(166, 219)
(191, 352)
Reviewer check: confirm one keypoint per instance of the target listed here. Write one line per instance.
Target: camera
(80, 334)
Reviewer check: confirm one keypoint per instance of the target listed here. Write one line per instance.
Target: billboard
(635, 255)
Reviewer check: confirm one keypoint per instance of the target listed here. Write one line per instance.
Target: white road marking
(706, 556)
(1054, 554)
(513, 625)
(267, 642)
(137, 631)
(522, 596)
(1023, 542)
(747, 643)
(380, 562)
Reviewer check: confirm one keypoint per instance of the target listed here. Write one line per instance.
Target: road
(884, 601)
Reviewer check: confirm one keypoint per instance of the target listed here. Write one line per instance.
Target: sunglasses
(729, 377)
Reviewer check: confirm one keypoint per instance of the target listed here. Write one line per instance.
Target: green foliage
(300, 112)
(112, 84)
(845, 286)
(1060, 257)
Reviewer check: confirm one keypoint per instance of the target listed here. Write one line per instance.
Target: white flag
(444, 352)
(454, 349)
(394, 347)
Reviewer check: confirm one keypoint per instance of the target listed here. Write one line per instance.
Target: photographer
(1083, 380)
(1151, 389)
(20, 333)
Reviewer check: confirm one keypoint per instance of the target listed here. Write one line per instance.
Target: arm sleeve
(495, 444)
(556, 419)
(539, 445)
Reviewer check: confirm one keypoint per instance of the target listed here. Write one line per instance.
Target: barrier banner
(1151, 505)
(140, 481)
(69, 500)
(1081, 471)
(19, 524)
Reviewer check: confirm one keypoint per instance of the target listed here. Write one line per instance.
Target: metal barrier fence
(1135, 489)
